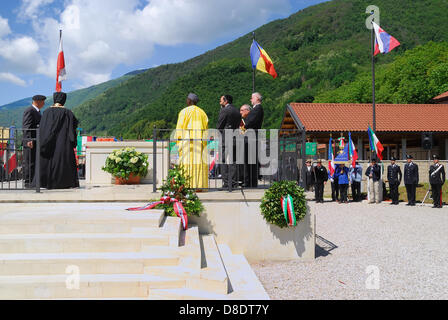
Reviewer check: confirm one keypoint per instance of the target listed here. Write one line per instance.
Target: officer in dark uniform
(394, 176)
(410, 179)
(320, 177)
(437, 179)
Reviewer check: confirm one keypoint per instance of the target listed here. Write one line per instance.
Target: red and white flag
(60, 72)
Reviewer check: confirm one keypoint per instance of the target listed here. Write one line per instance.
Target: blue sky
(104, 39)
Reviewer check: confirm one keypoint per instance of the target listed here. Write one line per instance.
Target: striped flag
(375, 144)
(331, 165)
(261, 60)
(60, 71)
(11, 163)
(384, 42)
(352, 150)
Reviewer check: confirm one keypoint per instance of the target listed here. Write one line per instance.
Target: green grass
(421, 192)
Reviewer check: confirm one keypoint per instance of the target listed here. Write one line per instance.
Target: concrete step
(185, 294)
(87, 263)
(245, 284)
(140, 226)
(77, 242)
(208, 275)
(89, 286)
(87, 222)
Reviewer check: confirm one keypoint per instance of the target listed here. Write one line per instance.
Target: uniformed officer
(436, 179)
(410, 179)
(394, 176)
(320, 177)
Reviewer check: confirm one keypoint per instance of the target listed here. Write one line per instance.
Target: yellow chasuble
(191, 132)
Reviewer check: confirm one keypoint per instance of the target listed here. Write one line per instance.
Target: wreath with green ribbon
(284, 204)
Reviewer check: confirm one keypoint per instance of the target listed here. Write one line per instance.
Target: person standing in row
(355, 179)
(437, 179)
(30, 124)
(373, 172)
(320, 177)
(342, 174)
(410, 179)
(253, 121)
(229, 118)
(307, 175)
(192, 122)
(394, 176)
(334, 184)
(58, 140)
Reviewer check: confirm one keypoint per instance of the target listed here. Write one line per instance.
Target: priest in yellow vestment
(191, 129)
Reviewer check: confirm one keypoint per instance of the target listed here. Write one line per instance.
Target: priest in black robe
(58, 140)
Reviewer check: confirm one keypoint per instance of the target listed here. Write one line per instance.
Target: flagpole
(253, 70)
(373, 75)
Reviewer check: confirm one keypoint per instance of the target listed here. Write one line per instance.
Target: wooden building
(399, 127)
(441, 99)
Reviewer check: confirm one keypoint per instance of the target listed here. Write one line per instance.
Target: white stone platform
(101, 251)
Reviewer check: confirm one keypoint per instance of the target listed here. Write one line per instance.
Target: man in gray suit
(229, 118)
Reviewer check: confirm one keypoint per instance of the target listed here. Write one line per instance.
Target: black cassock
(58, 139)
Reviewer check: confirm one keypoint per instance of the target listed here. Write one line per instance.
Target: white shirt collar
(35, 108)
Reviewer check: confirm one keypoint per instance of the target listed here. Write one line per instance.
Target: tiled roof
(443, 96)
(357, 117)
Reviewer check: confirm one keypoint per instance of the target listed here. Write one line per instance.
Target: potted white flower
(127, 165)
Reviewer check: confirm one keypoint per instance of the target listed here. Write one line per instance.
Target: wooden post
(446, 148)
(360, 149)
(403, 149)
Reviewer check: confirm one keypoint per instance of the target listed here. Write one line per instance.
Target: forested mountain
(322, 54)
(315, 52)
(11, 114)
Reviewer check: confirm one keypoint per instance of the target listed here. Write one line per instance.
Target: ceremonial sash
(434, 173)
(177, 206)
(288, 210)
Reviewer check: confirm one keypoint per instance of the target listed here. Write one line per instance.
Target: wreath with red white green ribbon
(284, 204)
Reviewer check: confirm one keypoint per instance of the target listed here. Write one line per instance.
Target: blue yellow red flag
(261, 60)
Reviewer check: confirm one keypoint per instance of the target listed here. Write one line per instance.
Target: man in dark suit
(394, 177)
(307, 174)
(320, 177)
(30, 123)
(229, 119)
(410, 179)
(254, 121)
(437, 179)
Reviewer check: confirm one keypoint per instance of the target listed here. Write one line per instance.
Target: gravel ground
(406, 245)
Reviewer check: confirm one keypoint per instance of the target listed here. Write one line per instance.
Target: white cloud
(30, 8)
(4, 27)
(99, 35)
(9, 77)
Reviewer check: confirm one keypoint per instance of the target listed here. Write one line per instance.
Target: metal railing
(229, 159)
(19, 164)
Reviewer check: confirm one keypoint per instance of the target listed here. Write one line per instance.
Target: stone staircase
(101, 251)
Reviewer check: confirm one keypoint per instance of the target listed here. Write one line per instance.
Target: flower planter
(131, 180)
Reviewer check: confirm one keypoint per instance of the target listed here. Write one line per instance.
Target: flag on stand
(60, 71)
(331, 165)
(261, 60)
(375, 144)
(352, 150)
(384, 42)
(11, 162)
